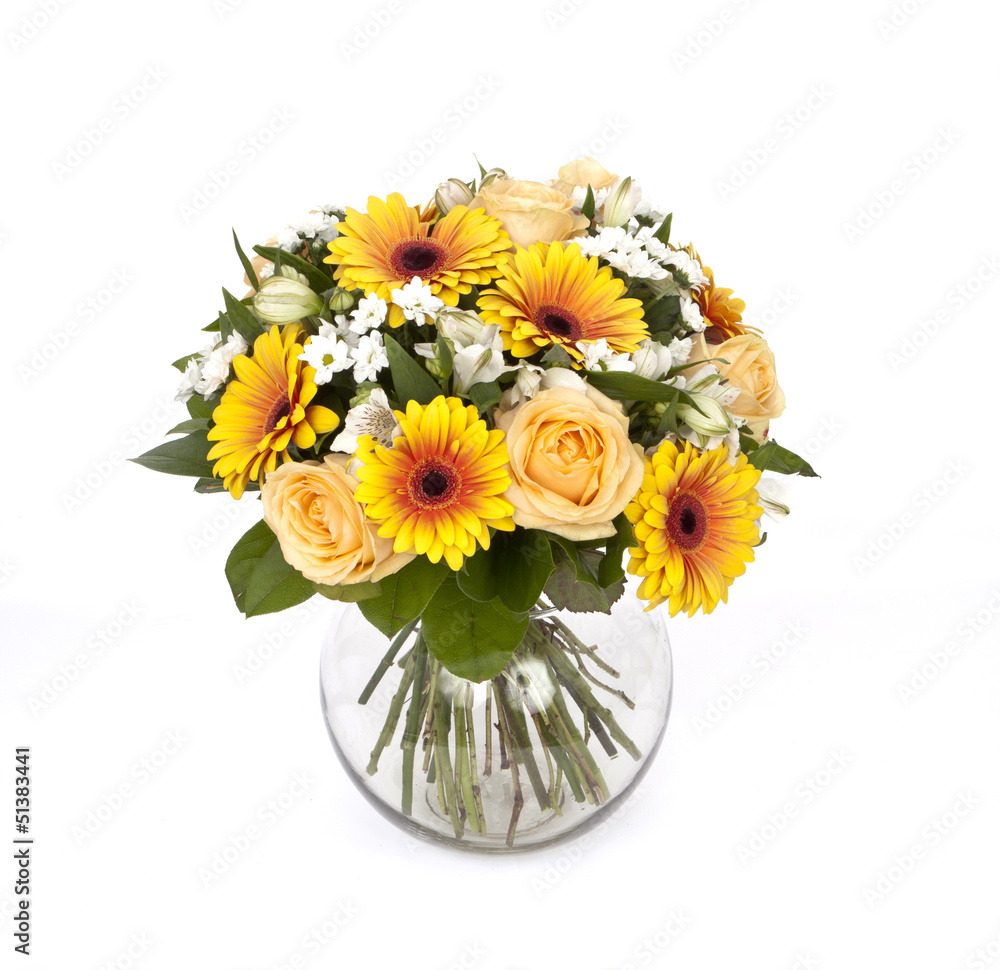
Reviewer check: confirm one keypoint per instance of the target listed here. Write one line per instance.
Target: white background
(879, 568)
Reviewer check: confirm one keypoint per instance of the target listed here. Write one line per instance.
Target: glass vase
(541, 751)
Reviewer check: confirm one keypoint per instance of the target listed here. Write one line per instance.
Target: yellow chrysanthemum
(695, 521)
(382, 249)
(439, 489)
(553, 294)
(265, 407)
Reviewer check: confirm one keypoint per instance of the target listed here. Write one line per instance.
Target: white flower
(680, 350)
(580, 196)
(480, 362)
(638, 265)
(215, 367)
(609, 240)
(621, 202)
(374, 417)
(687, 267)
(562, 377)
(266, 272)
(646, 208)
(461, 327)
(369, 357)
(652, 360)
(328, 355)
(598, 356)
(192, 375)
(656, 249)
(339, 329)
(310, 224)
(527, 383)
(451, 193)
(691, 314)
(772, 496)
(417, 301)
(288, 239)
(369, 314)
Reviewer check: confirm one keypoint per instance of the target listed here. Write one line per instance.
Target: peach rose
(749, 366)
(583, 172)
(322, 530)
(572, 466)
(530, 212)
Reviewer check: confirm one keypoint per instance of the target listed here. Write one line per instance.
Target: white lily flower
(451, 193)
(621, 202)
(772, 496)
(374, 417)
(480, 362)
(652, 360)
(282, 300)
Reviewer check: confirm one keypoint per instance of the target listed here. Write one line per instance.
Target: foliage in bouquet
(506, 397)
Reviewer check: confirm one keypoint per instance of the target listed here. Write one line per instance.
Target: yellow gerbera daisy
(695, 522)
(382, 249)
(553, 294)
(722, 311)
(439, 489)
(265, 407)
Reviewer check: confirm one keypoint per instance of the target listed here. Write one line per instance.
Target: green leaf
(319, 280)
(183, 456)
(610, 570)
(585, 572)
(213, 486)
(189, 426)
(473, 640)
(244, 321)
(557, 355)
(514, 568)
(482, 171)
(445, 355)
(198, 407)
(663, 316)
(663, 233)
(181, 363)
(565, 590)
(772, 457)
(630, 387)
(589, 204)
(352, 593)
(404, 595)
(411, 381)
(224, 327)
(485, 395)
(247, 265)
(261, 580)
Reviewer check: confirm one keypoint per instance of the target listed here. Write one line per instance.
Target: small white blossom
(680, 350)
(652, 211)
(288, 239)
(691, 314)
(266, 272)
(527, 383)
(189, 381)
(688, 267)
(369, 314)
(610, 239)
(580, 196)
(369, 357)
(417, 301)
(215, 366)
(339, 329)
(374, 417)
(328, 355)
(652, 360)
(653, 246)
(598, 356)
(480, 362)
(310, 224)
(638, 265)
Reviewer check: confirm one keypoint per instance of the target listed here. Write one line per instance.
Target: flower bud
(621, 202)
(451, 193)
(281, 300)
(341, 300)
(491, 176)
(711, 419)
(462, 327)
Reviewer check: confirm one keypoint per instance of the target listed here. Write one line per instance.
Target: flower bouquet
(471, 420)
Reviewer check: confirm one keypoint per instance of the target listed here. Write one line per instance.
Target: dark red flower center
(433, 483)
(280, 409)
(687, 522)
(558, 322)
(417, 256)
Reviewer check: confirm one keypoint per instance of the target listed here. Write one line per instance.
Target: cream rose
(583, 172)
(530, 212)
(749, 366)
(572, 466)
(322, 530)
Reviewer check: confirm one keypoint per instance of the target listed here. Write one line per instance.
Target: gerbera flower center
(280, 409)
(420, 256)
(558, 322)
(433, 483)
(687, 522)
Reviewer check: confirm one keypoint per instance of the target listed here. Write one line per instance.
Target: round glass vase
(544, 750)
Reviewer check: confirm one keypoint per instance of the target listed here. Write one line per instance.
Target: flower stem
(414, 716)
(386, 662)
(395, 708)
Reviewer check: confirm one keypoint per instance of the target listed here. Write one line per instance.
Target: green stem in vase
(414, 717)
(488, 760)
(395, 708)
(386, 662)
(502, 726)
(477, 795)
(442, 723)
(518, 731)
